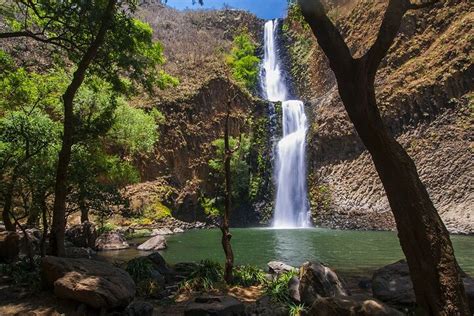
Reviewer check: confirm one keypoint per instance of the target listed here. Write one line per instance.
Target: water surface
(345, 251)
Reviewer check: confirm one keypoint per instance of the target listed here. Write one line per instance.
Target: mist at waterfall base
(291, 204)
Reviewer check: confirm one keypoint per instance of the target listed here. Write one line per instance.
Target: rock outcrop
(392, 285)
(96, 284)
(317, 280)
(154, 243)
(82, 235)
(349, 306)
(111, 241)
(424, 86)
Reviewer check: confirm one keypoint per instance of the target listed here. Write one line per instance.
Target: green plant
(106, 228)
(205, 277)
(248, 275)
(243, 61)
(209, 206)
(139, 269)
(278, 290)
(296, 309)
(157, 211)
(24, 273)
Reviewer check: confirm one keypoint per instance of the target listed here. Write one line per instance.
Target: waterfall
(291, 205)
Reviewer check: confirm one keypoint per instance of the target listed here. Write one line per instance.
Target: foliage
(238, 164)
(128, 51)
(106, 227)
(134, 130)
(204, 277)
(278, 290)
(157, 211)
(297, 309)
(23, 273)
(139, 269)
(209, 206)
(243, 61)
(248, 275)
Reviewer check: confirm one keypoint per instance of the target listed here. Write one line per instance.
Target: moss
(157, 211)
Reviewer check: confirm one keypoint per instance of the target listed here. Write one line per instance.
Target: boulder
(350, 306)
(111, 241)
(139, 308)
(265, 306)
(159, 263)
(9, 246)
(82, 235)
(178, 230)
(392, 284)
(317, 280)
(214, 305)
(161, 231)
(294, 289)
(154, 243)
(94, 283)
(79, 252)
(277, 267)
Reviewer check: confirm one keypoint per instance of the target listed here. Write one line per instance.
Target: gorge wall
(424, 90)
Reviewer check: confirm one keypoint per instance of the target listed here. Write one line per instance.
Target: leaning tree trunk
(423, 237)
(60, 189)
(226, 235)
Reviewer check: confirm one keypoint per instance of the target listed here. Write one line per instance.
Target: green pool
(345, 251)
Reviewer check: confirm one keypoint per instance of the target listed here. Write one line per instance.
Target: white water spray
(291, 207)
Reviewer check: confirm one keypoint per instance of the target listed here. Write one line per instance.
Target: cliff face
(178, 172)
(424, 91)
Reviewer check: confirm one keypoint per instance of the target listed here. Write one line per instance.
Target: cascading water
(291, 207)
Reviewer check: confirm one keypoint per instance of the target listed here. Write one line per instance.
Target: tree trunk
(226, 235)
(84, 210)
(7, 206)
(423, 237)
(60, 189)
(44, 213)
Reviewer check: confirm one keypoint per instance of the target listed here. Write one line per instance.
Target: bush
(248, 275)
(139, 269)
(278, 288)
(157, 211)
(23, 273)
(297, 309)
(207, 274)
(106, 228)
(243, 62)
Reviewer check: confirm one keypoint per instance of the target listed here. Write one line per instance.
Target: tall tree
(100, 37)
(424, 238)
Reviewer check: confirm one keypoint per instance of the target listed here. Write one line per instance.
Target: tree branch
(391, 22)
(327, 35)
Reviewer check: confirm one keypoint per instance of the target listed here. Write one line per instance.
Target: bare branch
(388, 31)
(327, 35)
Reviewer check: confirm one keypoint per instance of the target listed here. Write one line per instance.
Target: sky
(265, 9)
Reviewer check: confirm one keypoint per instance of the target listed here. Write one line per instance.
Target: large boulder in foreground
(97, 284)
(317, 280)
(392, 284)
(215, 306)
(82, 235)
(278, 267)
(350, 306)
(111, 241)
(154, 243)
(9, 246)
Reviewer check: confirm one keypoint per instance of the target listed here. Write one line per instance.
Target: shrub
(139, 269)
(106, 228)
(23, 273)
(297, 309)
(278, 288)
(207, 274)
(243, 62)
(157, 211)
(248, 275)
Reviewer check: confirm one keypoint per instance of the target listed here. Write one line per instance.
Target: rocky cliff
(424, 91)
(178, 173)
